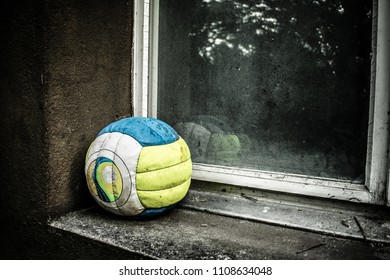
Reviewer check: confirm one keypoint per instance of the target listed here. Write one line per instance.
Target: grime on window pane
(269, 85)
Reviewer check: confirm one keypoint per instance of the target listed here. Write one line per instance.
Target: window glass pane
(270, 85)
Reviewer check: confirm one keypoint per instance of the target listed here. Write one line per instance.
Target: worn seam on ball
(163, 198)
(135, 203)
(162, 156)
(164, 178)
(115, 151)
(102, 138)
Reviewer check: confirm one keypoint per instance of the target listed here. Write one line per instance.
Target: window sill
(186, 233)
(325, 216)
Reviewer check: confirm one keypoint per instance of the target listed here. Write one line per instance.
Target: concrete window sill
(187, 232)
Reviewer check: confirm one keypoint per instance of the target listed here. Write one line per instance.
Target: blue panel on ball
(152, 212)
(147, 131)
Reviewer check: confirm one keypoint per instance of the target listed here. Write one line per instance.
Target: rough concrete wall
(88, 83)
(23, 133)
(65, 72)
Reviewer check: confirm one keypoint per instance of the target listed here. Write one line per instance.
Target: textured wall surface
(23, 139)
(65, 72)
(87, 80)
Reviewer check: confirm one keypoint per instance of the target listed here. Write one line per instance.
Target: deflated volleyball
(138, 166)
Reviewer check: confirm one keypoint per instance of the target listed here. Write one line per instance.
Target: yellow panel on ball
(164, 178)
(163, 198)
(162, 156)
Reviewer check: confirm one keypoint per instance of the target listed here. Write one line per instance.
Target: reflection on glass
(269, 85)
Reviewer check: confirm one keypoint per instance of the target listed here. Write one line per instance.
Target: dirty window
(269, 85)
